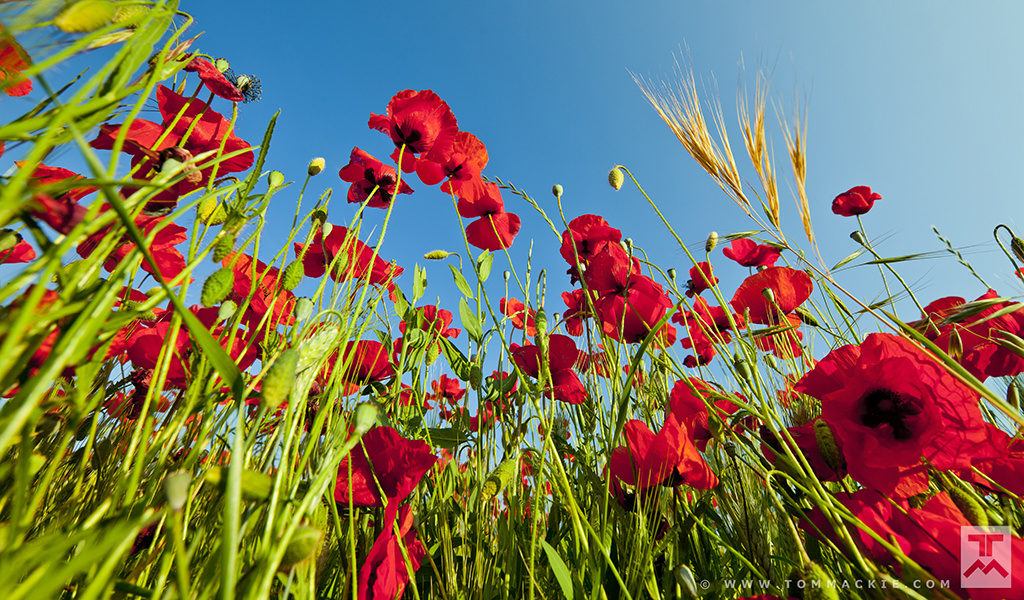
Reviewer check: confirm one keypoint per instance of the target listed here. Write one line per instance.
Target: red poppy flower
(13, 60)
(495, 229)
(979, 334)
(458, 163)
(447, 388)
(385, 572)
(1006, 469)
(368, 175)
(629, 316)
(610, 269)
(435, 321)
(889, 404)
(206, 131)
(355, 263)
(707, 326)
(56, 197)
(214, 80)
(689, 401)
(578, 311)
(588, 233)
(807, 443)
(702, 278)
(789, 288)
(666, 458)
(167, 235)
(855, 201)
(521, 315)
(364, 361)
(395, 462)
(263, 283)
(562, 354)
(418, 120)
(749, 253)
(20, 252)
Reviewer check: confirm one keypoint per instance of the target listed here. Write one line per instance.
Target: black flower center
(886, 407)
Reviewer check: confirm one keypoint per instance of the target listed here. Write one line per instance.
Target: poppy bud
(364, 417)
(127, 12)
(292, 275)
(315, 166)
(968, 504)
(858, 237)
(326, 229)
(433, 351)
(1017, 245)
(499, 478)
(85, 15)
(769, 294)
(277, 383)
(616, 178)
(217, 287)
(226, 311)
(224, 246)
(711, 242)
(742, 368)
(805, 316)
(176, 487)
(301, 547)
(828, 447)
(437, 255)
(956, 345)
(8, 240)
(672, 275)
(540, 323)
(303, 309)
(476, 376)
(816, 583)
(211, 212)
(255, 485)
(318, 217)
(275, 179)
(1013, 396)
(687, 584)
(627, 243)
(557, 190)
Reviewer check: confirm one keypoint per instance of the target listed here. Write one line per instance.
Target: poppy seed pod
(671, 275)
(316, 165)
(217, 287)
(85, 15)
(557, 190)
(828, 447)
(616, 178)
(318, 217)
(277, 383)
(224, 246)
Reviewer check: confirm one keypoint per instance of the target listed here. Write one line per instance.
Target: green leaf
(419, 283)
(456, 359)
(461, 282)
(470, 321)
(559, 568)
(448, 437)
(483, 265)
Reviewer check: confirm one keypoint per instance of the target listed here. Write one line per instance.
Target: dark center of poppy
(410, 139)
(886, 407)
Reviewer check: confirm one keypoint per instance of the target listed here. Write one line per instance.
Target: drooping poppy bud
(616, 178)
(315, 166)
(217, 286)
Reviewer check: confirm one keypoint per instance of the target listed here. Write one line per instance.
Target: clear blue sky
(919, 100)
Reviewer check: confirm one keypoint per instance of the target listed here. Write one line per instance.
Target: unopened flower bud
(616, 178)
(224, 246)
(1013, 396)
(476, 376)
(316, 165)
(176, 487)
(956, 345)
(806, 317)
(226, 311)
(437, 255)
(275, 179)
(292, 275)
(222, 64)
(540, 322)
(828, 447)
(212, 212)
(858, 237)
(364, 417)
(8, 240)
(255, 485)
(742, 368)
(968, 504)
(301, 547)
(628, 244)
(303, 309)
(1017, 245)
(499, 478)
(711, 242)
(769, 294)
(277, 383)
(326, 229)
(672, 275)
(507, 274)
(217, 287)
(433, 351)
(318, 217)
(686, 582)
(85, 15)
(557, 190)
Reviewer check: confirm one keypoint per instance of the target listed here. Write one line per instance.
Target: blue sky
(919, 100)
